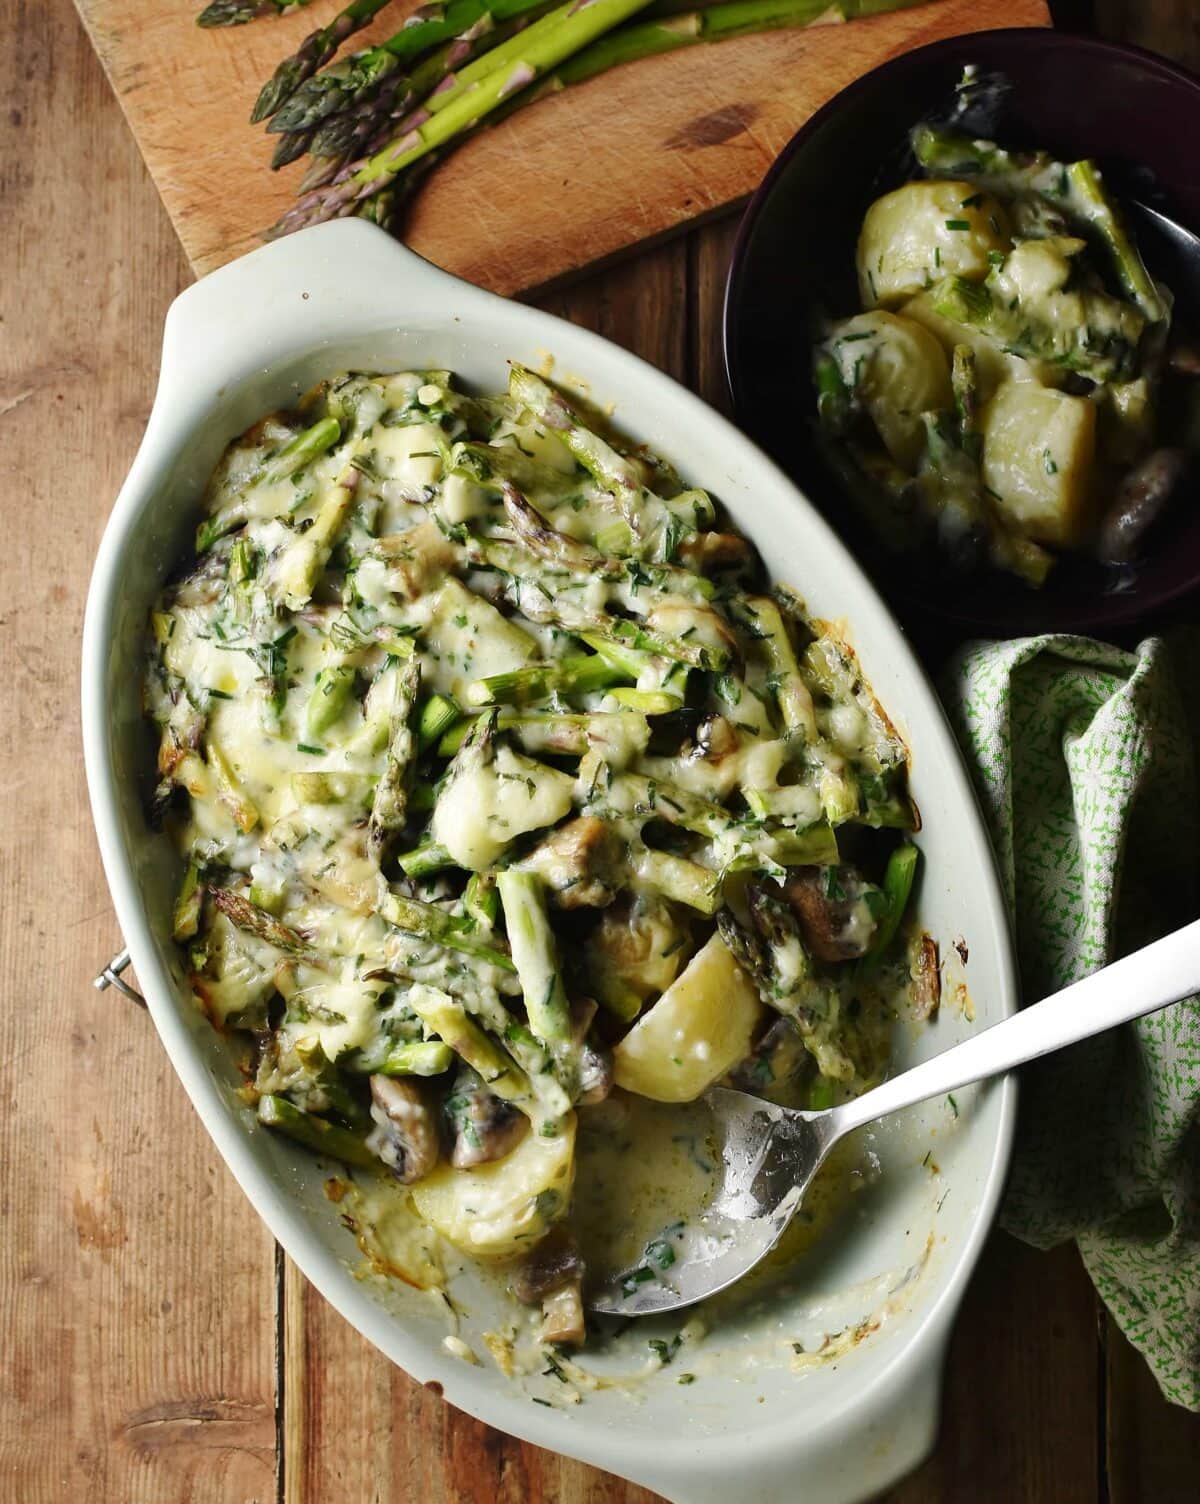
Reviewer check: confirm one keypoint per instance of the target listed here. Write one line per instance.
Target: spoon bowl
(771, 1154)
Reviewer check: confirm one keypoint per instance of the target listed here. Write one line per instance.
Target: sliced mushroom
(715, 739)
(780, 1055)
(554, 1263)
(405, 1136)
(580, 864)
(485, 1127)
(832, 906)
(595, 1060)
(707, 553)
(1141, 499)
(562, 1317)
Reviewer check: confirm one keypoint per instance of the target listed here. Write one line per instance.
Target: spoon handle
(1149, 979)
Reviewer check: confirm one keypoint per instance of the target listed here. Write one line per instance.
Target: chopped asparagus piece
(314, 1133)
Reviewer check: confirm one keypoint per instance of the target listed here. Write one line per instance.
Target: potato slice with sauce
(496, 1210)
(926, 230)
(900, 371)
(700, 1027)
(1039, 450)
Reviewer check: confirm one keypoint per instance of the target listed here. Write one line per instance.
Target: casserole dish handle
(294, 294)
(872, 1450)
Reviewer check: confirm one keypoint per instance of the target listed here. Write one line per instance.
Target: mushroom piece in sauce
(834, 908)
(552, 1275)
(405, 1135)
(485, 1127)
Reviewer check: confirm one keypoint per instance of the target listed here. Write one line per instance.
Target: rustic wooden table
(157, 1346)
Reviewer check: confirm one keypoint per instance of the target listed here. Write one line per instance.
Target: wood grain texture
(136, 1295)
(581, 177)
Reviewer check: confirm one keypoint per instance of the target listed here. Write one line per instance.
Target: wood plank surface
(155, 1350)
(137, 1297)
(578, 178)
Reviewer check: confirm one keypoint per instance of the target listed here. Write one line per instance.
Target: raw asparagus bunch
(382, 118)
(313, 52)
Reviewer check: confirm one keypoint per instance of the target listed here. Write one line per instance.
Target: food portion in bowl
(1003, 390)
(502, 785)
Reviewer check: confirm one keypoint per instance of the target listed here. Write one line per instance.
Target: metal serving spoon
(1172, 251)
(771, 1153)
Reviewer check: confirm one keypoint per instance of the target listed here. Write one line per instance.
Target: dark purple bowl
(1138, 115)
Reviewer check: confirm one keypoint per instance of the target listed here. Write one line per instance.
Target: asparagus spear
(1101, 348)
(258, 922)
(448, 1019)
(434, 924)
(897, 886)
(354, 105)
(390, 805)
(292, 458)
(297, 566)
(238, 12)
(538, 681)
(313, 52)
(650, 520)
(511, 66)
(791, 692)
(534, 954)
(314, 1133)
(438, 715)
(185, 919)
(1097, 208)
(428, 1057)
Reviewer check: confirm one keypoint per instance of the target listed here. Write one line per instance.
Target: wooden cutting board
(578, 178)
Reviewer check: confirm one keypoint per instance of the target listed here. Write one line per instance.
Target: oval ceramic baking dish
(830, 1382)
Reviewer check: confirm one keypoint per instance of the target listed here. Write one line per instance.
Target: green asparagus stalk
(238, 12)
(329, 698)
(291, 459)
(390, 806)
(435, 925)
(559, 733)
(353, 102)
(258, 922)
(185, 919)
(481, 902)
(313, 52)
(314, 1133)
(297, 567)
(448, 1019)
(427, 1057)
(791, 693)
(965, 383)
(438, 715)
(424, 859)
(898, 882)
(1094, 204)
(677, 878)
(534, 954)
(538, 681)
(510, 67)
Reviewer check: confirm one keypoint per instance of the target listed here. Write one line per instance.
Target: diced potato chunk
(700, 1027)
(496, 1210)
(466, 638)
(900, 371)
(917, 234)
(1039, 450)
(482, 810)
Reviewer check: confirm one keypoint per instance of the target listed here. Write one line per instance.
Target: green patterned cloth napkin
(1084, 759)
